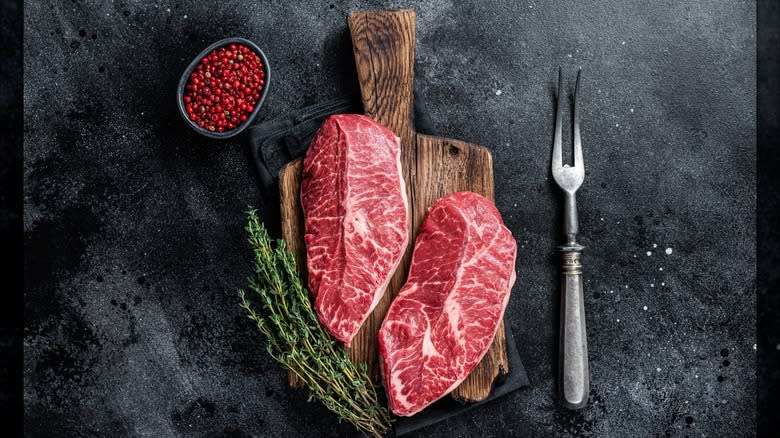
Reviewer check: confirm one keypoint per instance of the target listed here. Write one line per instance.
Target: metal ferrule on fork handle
(571, 253)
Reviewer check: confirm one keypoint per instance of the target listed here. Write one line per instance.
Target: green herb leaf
(296, 339)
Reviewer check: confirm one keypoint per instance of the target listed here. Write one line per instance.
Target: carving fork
(574, 380)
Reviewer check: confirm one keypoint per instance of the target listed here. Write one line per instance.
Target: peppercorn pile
(224, 88)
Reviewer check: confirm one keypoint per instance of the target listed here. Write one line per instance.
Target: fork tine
(557, 159)
(577, 142)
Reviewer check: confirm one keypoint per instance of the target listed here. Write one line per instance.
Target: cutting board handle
(384, 42)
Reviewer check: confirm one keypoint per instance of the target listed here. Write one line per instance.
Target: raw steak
(356, 219)
(445, 317)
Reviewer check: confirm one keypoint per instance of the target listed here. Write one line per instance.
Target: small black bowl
(186, 76)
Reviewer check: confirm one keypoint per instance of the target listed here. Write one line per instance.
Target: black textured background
(768, 216)
(134, 242)
(10, 216)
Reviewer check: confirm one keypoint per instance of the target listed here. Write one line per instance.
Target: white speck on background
(634, 255)
(652, 285)
(618, 320)
(631, 109)
(168, 10)
(697, 376)
(755, 347)
(612, 291)
(668, 251)
(515, 204)
(617, 125)
(185, 16)
(658, 369)
(644, 308)
(498, 92)
(602, 219)
(663, 284)
(569, 55)
(655, 245)
(649, 253)
(660, 269)
(623, 43)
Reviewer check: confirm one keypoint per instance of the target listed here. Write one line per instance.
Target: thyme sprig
(297, 340)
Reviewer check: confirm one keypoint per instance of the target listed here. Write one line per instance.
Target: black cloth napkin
(276, 142)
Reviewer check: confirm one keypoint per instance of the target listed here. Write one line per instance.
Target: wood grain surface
(384, 48)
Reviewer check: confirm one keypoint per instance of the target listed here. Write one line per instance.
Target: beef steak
(445, 317)
(356, 218)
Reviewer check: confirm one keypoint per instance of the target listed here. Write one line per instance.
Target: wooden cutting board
(384, 46)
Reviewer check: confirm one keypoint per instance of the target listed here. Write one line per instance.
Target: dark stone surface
(134, 242)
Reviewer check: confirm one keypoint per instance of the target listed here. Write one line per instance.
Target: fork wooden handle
(574, 378)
